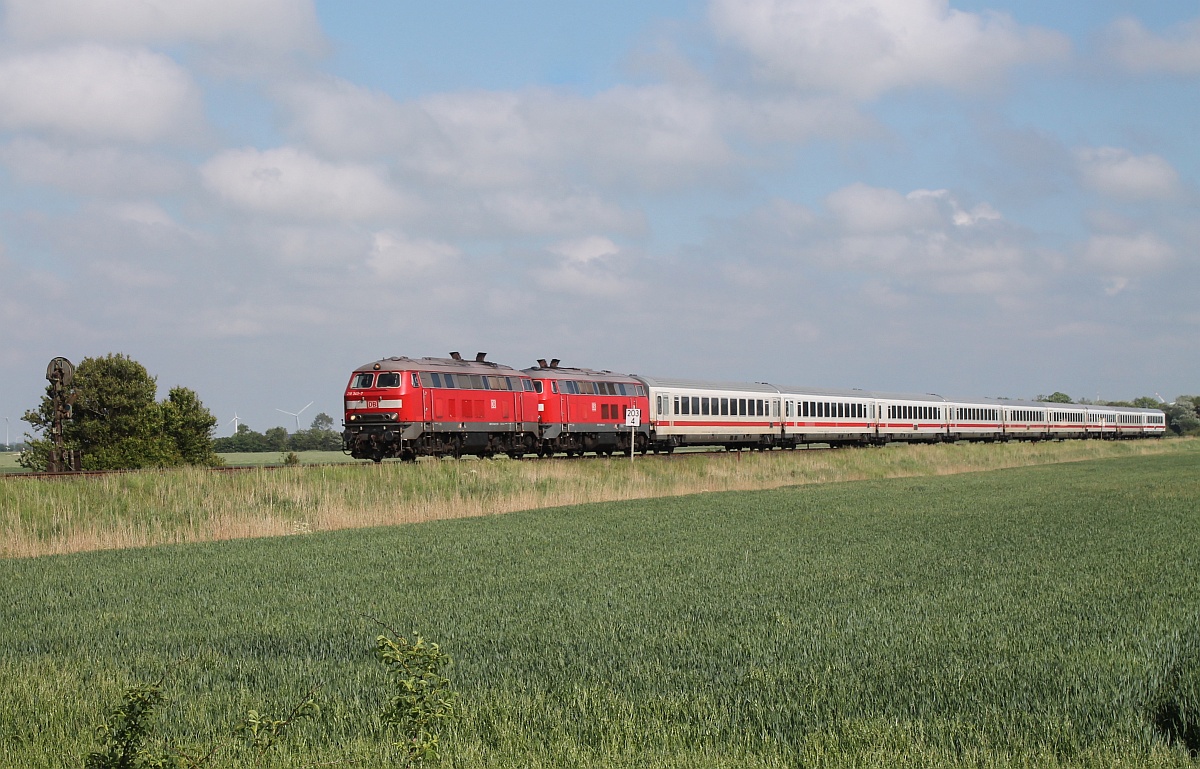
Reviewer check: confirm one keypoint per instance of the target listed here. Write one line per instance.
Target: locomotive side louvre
(581, 410)
(404, 407)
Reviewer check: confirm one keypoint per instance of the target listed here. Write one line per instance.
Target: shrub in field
(263, 732)
(424, 697)
(125, 731)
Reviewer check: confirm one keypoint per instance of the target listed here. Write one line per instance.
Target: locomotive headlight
(353, 417)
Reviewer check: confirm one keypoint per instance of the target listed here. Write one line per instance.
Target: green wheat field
(1027, 617)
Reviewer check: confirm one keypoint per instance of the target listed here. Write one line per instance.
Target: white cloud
(586, 267)
(1136, 49)
(537, 212)
(644, 137)
(654, 135)
(923, 241)
(585, 250)
(291, 183)
(103, 171)
(863, 48)
(860, 208)
(1128, 255)
(92, 91)
(1119, 173)
(271, 24)
(397, 256)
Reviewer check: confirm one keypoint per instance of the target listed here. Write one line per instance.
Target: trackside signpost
(633, 420)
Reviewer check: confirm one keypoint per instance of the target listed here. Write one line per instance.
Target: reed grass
(43, 517)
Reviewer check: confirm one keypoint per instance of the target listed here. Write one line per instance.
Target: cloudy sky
(252, 197)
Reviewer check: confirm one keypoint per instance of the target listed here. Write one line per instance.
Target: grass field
(1043, 616)
(39, 517)
(8, 462)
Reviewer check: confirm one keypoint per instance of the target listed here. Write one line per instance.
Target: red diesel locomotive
(407, 408)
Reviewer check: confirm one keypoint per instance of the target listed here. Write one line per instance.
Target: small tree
(1055, 397)
(424, 698)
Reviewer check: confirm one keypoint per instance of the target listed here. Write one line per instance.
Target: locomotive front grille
(372, 418)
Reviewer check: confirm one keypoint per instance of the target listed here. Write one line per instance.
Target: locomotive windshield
(388, 379)
(362, 381)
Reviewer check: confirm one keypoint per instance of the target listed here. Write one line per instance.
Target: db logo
(372, 404)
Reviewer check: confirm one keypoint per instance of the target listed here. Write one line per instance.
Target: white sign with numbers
(633, 417)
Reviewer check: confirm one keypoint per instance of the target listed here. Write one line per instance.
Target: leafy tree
(189, 426)
(277, 438)
(1183, 416)
(117, 424)
(1056, 397)
(322, 421)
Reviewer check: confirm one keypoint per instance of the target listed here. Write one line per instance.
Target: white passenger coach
(759, 415)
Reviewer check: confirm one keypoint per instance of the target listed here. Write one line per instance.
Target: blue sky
(254, 197)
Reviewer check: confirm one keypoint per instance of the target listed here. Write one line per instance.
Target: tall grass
(42, 517)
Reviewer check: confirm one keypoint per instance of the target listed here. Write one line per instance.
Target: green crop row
(1042, 616)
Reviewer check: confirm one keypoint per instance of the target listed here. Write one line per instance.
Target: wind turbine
(234, 422)
(296, 414)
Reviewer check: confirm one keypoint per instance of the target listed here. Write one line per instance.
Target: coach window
(704, 406)
(695, 404)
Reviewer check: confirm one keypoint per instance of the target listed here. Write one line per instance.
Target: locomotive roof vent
(554, 363)
(456, 356)
(479, 357)
(541, 362)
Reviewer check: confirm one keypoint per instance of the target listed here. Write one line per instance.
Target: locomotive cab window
(362, 381)
(389, 379)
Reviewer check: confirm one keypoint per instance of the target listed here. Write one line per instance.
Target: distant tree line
(320, 437)
(1183, 414)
